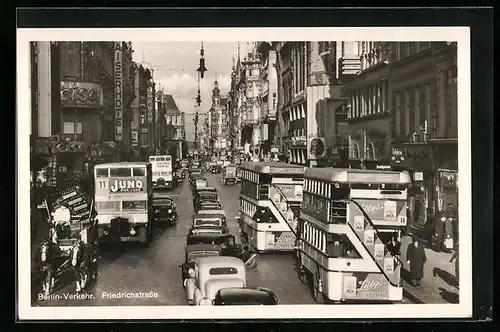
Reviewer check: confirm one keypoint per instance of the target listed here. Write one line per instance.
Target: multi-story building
(83, 104)
(143, 124)
(311, 101)
(175, 128)
(268, 97)
(403, 114)
(250, 102)
(218, 122)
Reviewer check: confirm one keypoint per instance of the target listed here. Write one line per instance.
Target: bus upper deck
(270, 199)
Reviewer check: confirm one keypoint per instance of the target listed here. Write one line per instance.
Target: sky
(175, 65)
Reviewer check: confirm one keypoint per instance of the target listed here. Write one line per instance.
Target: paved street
(156, 268)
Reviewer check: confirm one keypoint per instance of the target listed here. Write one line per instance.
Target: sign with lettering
(393, 211)
(367, 177)
(286, 170)
(149, 104)
(135, 138)
(128, 185)
(365, 286)
(81, 95)
(118, 92)
(290, 191)
(414, 155)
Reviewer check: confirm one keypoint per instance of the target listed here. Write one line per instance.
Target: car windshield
(163, 202)
(201, 240)
(194, 256)
(207, 222)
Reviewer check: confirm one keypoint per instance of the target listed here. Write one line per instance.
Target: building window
(70, 127)
(143, 118)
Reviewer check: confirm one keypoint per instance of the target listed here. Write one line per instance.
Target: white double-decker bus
(162, 171)
(270, 200)
(123, 194)
(349, 234)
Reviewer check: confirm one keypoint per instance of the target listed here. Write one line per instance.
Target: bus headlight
(132, 231)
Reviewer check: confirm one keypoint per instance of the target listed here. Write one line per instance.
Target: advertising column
(118, 96)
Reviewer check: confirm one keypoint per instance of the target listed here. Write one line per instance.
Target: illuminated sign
(150, 103)
(118, 92)
(130, 185)
(81, 94)
(287, 170)
(373, 177)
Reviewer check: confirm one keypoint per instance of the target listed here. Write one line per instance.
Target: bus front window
(101, 173)
(134, 205)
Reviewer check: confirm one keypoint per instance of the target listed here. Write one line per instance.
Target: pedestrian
(456, 258)
(415, 257)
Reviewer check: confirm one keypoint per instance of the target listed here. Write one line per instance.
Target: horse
(84, 264)
(52, 262)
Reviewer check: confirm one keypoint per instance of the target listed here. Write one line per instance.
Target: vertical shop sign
(118, 93)
(150, 103)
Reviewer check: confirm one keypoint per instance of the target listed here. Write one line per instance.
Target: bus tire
(317, 294)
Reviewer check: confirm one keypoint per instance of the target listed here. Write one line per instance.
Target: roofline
(273, 168)
(342, 175)
(123, 164)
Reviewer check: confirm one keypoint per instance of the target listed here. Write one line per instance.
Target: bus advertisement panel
(162, 169)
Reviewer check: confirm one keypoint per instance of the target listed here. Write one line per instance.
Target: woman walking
(415, 256)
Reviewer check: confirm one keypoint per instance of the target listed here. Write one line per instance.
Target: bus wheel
(317, 294)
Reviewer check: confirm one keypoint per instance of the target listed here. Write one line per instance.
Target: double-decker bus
(349, 234)
(270, 200)
(162, 171)
(123, 196)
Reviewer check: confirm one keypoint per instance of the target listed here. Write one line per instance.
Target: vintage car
(218, 230)
(211, 274)
(164, 209)
(245, 296)
(199, 220)
(199, 183)
(229, 175)
(204, 190)
(204, 205)
(216, 169)
(204, 197)
(193, 172)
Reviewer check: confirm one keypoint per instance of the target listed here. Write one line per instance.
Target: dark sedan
(245, 296)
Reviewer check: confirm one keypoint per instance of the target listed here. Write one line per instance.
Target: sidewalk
(438, 284)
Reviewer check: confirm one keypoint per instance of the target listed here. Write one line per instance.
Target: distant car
(215, 169)
(245, 296)
(201, 206)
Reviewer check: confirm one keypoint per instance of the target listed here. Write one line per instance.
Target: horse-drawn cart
(71, 246)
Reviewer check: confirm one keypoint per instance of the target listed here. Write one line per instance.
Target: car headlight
(169, 210)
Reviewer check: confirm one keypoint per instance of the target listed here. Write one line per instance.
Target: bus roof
(273, 168)
(122, 164)
(351, 175)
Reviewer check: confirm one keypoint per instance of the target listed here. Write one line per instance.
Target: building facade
(218, 123)
(175, 128)
(81, 108)
(403, 114)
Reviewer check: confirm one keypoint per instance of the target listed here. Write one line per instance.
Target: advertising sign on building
(118, 92)
(135, 138)
(149, 103)
(81, 95)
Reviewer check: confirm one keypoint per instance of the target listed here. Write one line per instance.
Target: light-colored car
(211, 274)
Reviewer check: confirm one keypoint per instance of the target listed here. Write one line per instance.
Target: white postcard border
(459, 34)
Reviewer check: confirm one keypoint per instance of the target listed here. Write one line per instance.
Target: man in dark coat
(415, 256)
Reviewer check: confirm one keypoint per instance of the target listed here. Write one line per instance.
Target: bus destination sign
(379, 177)
(286, 170)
